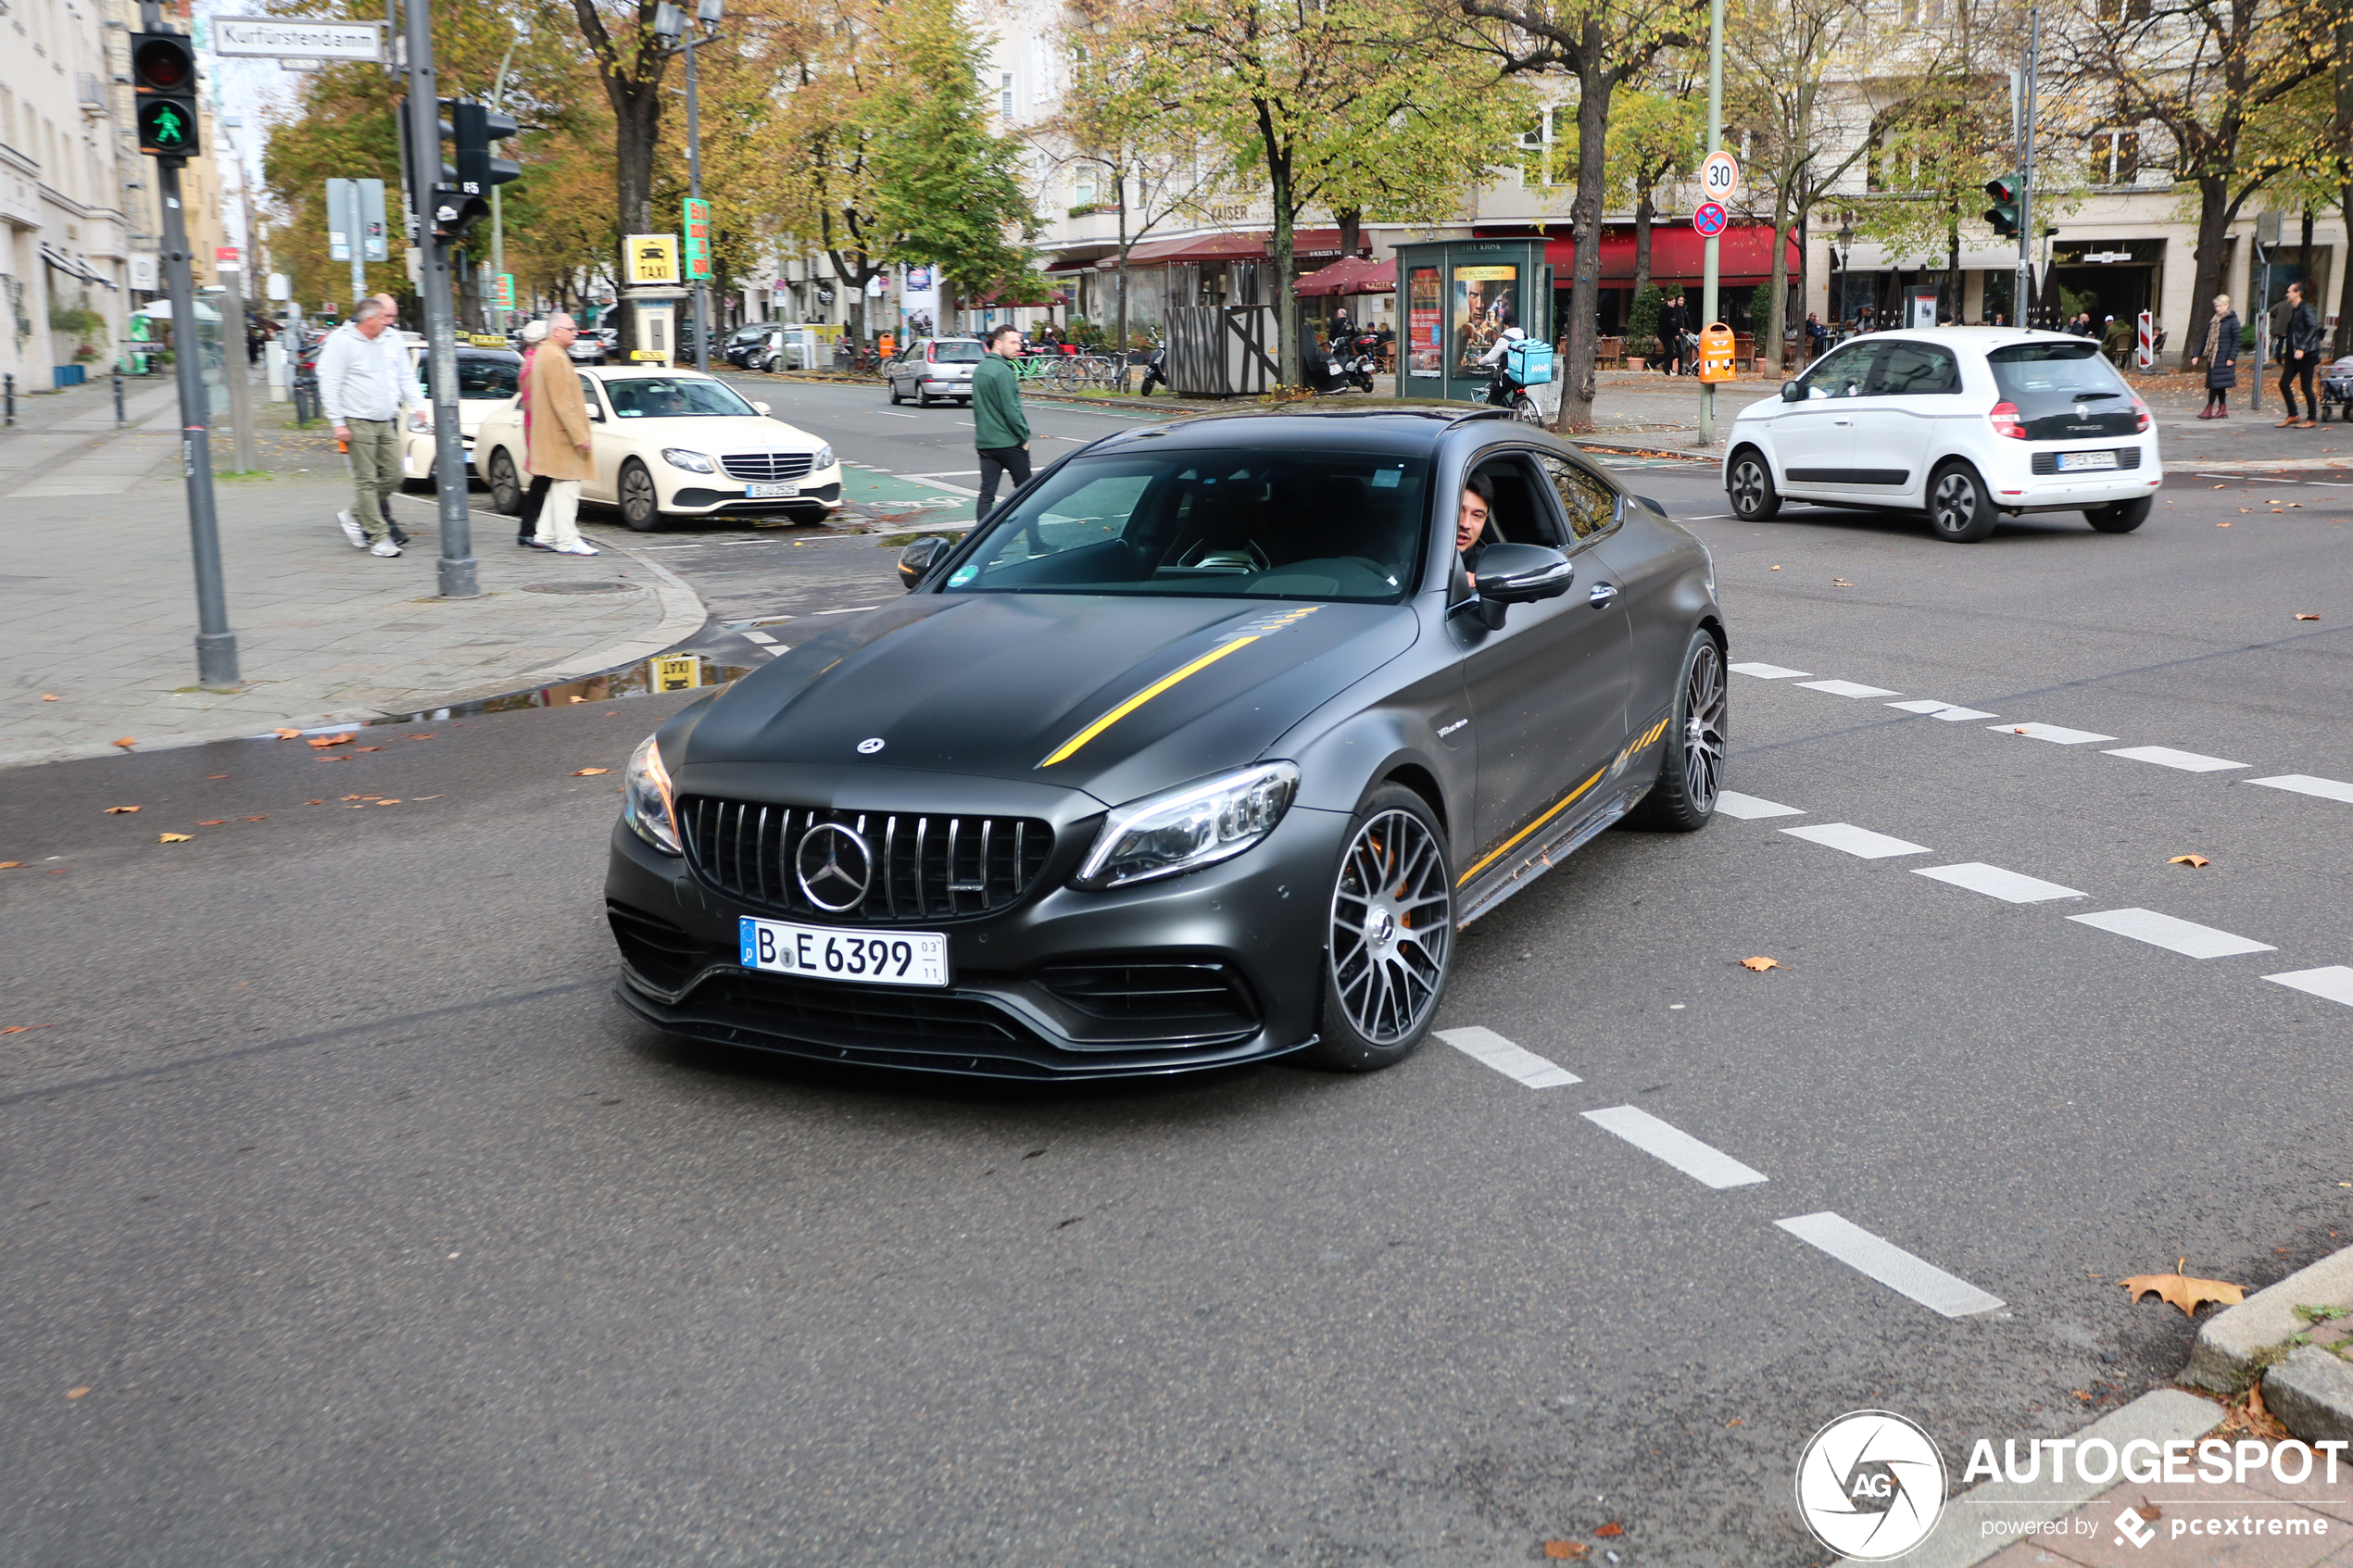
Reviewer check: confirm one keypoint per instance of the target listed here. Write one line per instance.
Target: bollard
(11, 398)
(117, 400)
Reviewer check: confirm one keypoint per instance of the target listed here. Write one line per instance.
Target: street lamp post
(1715, 140)
(670, 22)
(498, 207)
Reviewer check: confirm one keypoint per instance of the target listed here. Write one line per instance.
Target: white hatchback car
(1967, 424)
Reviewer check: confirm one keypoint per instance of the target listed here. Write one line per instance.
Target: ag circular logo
(1870, 1484)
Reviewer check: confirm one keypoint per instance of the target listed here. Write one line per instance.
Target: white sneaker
(577, 547)
(385, 548)
(352, 531)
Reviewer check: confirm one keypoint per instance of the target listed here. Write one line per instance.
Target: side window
(1589, 504)
(1844, 374)
(1520, 514)
(1914, 369)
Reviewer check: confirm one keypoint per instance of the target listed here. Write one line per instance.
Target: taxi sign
(649, 259)
(1720, 177)
(487, 340)
(1710, 218)
(1716, 348)
(656, 354)
(677, 672)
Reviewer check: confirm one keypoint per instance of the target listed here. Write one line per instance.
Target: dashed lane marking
(1526, 1066)
(1701, 1163)
(2305, 783)
(1765, 672)
(1846, 688)
(1936, 708)
(2331, 982)
(1748, 807)
(762, 639)
(2057, 734)
(2166, 756)
(1890, 1264)
(2182, 936)
(2011, 887)
(1857, 841)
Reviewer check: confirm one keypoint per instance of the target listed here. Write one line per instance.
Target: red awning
(1350, 274)
(1304, 243)
(1680, 255)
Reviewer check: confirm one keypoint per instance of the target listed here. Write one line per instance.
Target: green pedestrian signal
(164, 129)
(163, 84)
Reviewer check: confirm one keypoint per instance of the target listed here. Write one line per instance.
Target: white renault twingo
(1967, 424)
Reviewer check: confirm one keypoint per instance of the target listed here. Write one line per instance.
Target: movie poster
(1486, 301)
(1423, 355)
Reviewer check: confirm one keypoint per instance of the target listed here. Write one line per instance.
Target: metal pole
(497, 311)
(694, 188)
(2262, 316)
(215, 644)
(117, 400)
(234, 370)
(1715, 137)
(441, 329)
(2023, 305)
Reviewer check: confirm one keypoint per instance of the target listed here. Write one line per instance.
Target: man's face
(561, 330)
(1007, 345)
(372, 327)
(1470, 521)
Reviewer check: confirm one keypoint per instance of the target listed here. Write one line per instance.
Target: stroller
(2336, 390)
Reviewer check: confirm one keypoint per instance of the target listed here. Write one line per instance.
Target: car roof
(622, 372)
(1979, 338)
(1408, 427)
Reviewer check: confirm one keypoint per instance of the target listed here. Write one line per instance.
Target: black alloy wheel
(2120, 517)
(1691, 762)
(1959, 508)
(1751, 488)
(1390, 935)
(640, 503)
(506, 486)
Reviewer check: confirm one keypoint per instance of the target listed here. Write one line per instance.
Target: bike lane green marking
(887, 495)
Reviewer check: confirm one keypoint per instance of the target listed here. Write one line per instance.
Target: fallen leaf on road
(212, 777)
(314, 803)
(1565, 1551)
(332, 756)
(1734, 1422)
(1759, 964)
(48, 697)
(173, 837)
(426, 797)
(427, 735)
(9, 865)
(1777, 568)
(127, 741)
(1841, 582)
(588, 773)
(286, 735)
(2185, 1292)
(2301, 616)
(388, 802)
(121, 810)
(2189, 860)
(1606, 1531)
(2222, 525)
(367, 749)
(263, 818)
(76, 1393)
(342, 739)
(2221, 488)
(2296, 503)
(2244, 510)
(216, 822)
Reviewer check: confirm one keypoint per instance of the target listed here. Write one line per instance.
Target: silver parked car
(933, 366)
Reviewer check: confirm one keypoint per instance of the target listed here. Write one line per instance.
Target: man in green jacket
(1001, 431)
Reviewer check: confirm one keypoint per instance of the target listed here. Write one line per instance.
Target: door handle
(1841, 421)
(1603, 595)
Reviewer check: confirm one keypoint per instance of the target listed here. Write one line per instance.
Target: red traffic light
(163, 65)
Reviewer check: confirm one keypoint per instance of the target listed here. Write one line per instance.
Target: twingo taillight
(2005, 421)
(2140, 414)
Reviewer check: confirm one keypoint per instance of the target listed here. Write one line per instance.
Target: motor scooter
(1156, 370)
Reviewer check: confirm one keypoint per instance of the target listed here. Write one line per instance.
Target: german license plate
(773, 492)
(2070, 462)
(870, 958)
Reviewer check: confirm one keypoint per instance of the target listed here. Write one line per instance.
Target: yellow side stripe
(1070, 746)
(1531, 827)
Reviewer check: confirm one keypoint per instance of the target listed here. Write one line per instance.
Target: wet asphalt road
(372, 1230)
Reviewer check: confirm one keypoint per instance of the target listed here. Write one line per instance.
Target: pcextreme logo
(1870, 1484)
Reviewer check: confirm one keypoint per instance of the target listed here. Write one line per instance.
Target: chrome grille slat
(766, 467)
(956, 867)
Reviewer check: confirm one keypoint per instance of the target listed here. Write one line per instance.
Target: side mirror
(916, 560)
(1793, 393)
(1516, 574)
(761, 407)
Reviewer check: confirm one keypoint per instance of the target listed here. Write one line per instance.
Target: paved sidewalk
(53, 428)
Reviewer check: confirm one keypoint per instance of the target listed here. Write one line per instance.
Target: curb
(2312, 1393)
(2237, 1342)
(2161, 1415)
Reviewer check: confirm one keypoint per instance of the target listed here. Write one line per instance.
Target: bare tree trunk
(1777, 279)
(1585, 224)
(2344, 138)
(1351, 221)
(1643, 212)
(1286, 305)
(1119, 185)
(636, 128)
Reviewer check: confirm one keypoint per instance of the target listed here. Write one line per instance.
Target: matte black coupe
(1199, 751)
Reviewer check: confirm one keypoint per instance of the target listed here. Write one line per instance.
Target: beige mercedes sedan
(672, 444)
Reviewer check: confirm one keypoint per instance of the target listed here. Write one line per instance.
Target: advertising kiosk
(1454, 297)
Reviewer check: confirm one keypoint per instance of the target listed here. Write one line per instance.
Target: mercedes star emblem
(835, 865)
(868, 747)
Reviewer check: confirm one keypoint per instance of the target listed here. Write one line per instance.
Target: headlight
(693, 462)
(1189, 828)
(645, 798)
(825, 460)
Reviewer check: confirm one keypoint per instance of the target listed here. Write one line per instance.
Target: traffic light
(460, 191)
(2003, 214)
(163, 85)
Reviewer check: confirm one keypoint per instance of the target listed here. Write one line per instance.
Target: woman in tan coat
(556, 435)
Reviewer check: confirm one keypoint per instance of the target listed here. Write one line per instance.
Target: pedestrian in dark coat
(2220, 355)
(2300, 357)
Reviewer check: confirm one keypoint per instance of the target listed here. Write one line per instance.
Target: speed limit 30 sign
(1720, 177)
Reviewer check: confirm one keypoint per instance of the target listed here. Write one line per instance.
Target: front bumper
(1029, 997)
(692, 494)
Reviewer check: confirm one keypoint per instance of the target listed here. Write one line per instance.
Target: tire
(923, 399)
(1691, 762)
(1750, 488)
(506, 485)
(640, 502)
(892, 383)
(1524, 411)
(2118, 517)
(1959, 508)
(1382, 991)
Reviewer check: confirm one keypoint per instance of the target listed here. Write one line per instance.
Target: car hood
(1115, 695)
(717, 433)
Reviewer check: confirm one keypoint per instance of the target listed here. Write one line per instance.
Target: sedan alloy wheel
(640, 505)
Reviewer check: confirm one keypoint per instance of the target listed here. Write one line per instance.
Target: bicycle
(856, 358)
(1038, 367)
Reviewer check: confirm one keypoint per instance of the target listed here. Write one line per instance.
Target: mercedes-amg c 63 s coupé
(1200, 750)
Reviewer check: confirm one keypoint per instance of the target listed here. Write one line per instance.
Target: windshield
(672, 397)
(1284, 525)
(955, 353)
(2037, 370)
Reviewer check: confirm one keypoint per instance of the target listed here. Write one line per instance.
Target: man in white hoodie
(366, 397)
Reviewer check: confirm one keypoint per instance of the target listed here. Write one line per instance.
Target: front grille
(2126, 458)
(766, 467)
(925, 866)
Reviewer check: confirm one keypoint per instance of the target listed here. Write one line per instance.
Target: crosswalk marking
(1747, 807)
(1890, 1264)
(2182, 936)
(1765, 672)
(2305, 783)
(2057, 734)
(1996, 883)
(2166, 756)
(1701, 1163)
(1484, 1044)
(1846, 688)
(2331, 982)
(1856, 841)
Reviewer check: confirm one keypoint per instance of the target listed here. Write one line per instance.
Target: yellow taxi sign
(649, 259)
(1716, 349)
(677, 672)
(487, 340)
(656, 354)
